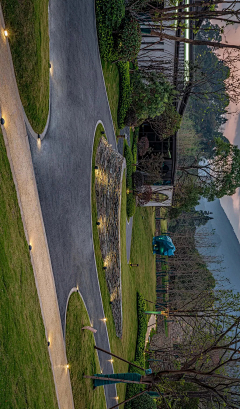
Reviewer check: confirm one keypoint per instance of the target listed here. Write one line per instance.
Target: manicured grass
(82, 357)
(27, 24)
(134, 279)
(26, 379)
(111, 78)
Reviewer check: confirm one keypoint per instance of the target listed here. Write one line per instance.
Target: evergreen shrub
(128, 39)
(150, 94)
(144, 401)
(124, 91)
(109, 15)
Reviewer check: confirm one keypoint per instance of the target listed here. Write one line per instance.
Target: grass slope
(27, 24)
(111, 78)
(26, 379)
(134, 279)
(82, 357)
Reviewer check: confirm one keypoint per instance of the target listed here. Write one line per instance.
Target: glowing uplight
(117, 397)
(111, 360)
(104, 320)
(39, 143)
(6, 33)
(68, 366)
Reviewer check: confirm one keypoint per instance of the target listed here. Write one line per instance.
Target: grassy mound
(27, 24)
(82, 356)
(26, 379)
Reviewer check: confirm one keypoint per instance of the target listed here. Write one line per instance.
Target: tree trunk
(196, 42)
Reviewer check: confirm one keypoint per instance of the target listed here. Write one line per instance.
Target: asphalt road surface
(63, 164)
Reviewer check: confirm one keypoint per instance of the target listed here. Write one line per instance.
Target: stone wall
(108, 197)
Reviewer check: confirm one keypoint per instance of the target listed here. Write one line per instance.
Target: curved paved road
(63, 164)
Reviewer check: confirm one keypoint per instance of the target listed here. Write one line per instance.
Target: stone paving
(108, 197)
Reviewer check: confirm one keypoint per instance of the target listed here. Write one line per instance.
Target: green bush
(144, 401)
(131, 205)
(124, 91)
(134, 145)
(150, 94)
(129, 162)
(128, 40)
(131, 201)
(142, 329)
(109, 15)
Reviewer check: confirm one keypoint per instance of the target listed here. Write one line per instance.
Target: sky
(231, 204)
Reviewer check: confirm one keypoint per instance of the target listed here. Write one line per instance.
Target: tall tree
(215, 177)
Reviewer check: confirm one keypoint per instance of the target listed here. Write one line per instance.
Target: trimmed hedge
(129, 162)
(142, 329)
(134, 145)
(109, 15)
(128, 40)
(144, 401)
(131, 205)
(131, 202)
(125, 92)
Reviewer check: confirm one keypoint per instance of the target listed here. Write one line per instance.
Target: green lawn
(111, 78)
(134, 279)
(82, 357)
(26, 379)
(27, 24)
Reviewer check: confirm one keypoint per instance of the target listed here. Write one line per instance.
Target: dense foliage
(125, 92)
(167, 123)
(119, 36)
(144, 401)
(150, 94)
(131, 201)
(128, 40)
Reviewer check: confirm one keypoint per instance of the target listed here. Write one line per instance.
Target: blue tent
(163, 245)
